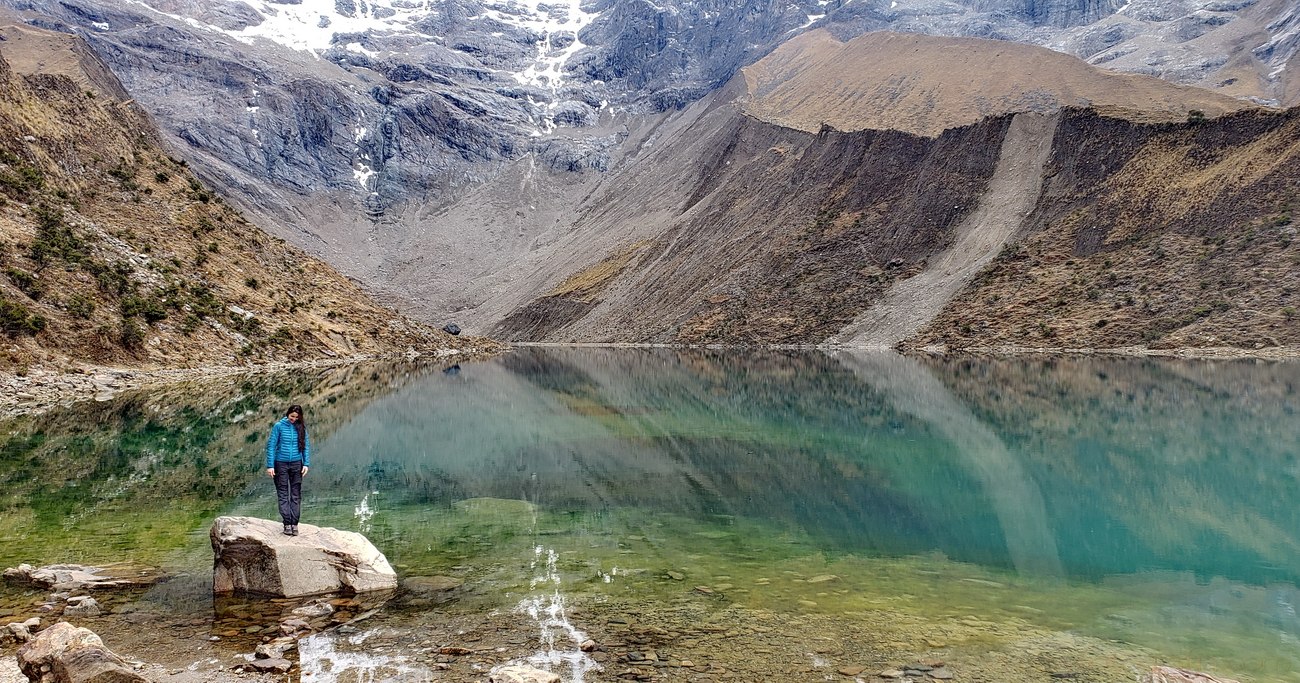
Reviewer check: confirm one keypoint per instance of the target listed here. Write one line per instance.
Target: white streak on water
(561, 641)
(364, 513)
(320, 661)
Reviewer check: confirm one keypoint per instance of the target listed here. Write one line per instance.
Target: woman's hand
(304, 470)
(270, 472)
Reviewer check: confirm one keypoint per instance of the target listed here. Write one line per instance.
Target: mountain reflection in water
(1079, 468)
(632, 464)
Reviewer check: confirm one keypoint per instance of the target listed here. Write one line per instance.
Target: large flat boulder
(64, 653)
(253, 555)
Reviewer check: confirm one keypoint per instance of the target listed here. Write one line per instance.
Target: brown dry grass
(587, 285)
(926, 84)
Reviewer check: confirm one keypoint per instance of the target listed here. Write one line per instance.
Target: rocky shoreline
(40, 389)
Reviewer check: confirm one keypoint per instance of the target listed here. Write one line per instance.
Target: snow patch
(359, 48)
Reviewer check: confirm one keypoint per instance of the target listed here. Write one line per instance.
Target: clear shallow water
(1145, 503)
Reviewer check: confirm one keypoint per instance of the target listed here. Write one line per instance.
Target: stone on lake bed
(823, 578)
(1169, 674)
(522, 674)
(254, 556)
(82, 606)
(423, 585)
(272, 664)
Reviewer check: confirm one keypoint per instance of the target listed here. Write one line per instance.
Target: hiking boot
(293, 530)
(288, 530)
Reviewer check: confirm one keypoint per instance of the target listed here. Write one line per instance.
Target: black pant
(288, 488)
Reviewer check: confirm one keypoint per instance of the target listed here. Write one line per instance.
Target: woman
(288, 457)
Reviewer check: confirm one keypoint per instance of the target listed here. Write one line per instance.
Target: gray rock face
(64, 653)
(1059, 13)
(252, 555)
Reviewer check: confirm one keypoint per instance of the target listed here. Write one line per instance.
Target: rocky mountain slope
(783, 236)
(461, 158)
(113, 252)
(361, 131)
(1149, 236)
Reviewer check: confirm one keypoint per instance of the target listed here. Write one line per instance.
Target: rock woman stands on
(288, 457)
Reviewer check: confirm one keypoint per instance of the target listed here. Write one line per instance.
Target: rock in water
(522, 674)
(1169, 674)
(67, 577)
(253, 555)
(64, 653)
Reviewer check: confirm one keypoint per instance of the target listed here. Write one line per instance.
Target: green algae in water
(1139, 503)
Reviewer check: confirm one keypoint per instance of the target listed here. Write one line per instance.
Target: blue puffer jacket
(283, 445)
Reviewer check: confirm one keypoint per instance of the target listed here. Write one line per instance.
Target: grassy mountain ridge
(113, 252)
(927, 84)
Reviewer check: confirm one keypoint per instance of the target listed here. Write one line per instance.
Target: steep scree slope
(1147, 235)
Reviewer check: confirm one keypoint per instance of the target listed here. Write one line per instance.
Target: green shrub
(54, 238)
(112, 278)
(16, 319)
(21, 179)
(81, 306)
(122, 172)
(162, 177)
(151, 309)
(247, 326)
(130, 334)
(204, 302)
(25, 281)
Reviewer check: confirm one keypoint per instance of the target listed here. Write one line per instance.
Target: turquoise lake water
(1149, 504)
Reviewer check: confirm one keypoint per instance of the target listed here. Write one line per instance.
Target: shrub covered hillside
(112, 252)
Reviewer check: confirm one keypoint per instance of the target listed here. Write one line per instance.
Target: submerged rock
(82, 606)
(252, 555)
(64, 653)
(1169, 674)
(522, 674)
(70, 577)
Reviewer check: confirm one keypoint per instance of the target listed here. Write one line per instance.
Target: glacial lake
(711, 515)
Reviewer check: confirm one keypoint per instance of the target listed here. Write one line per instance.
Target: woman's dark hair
(300, 424)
